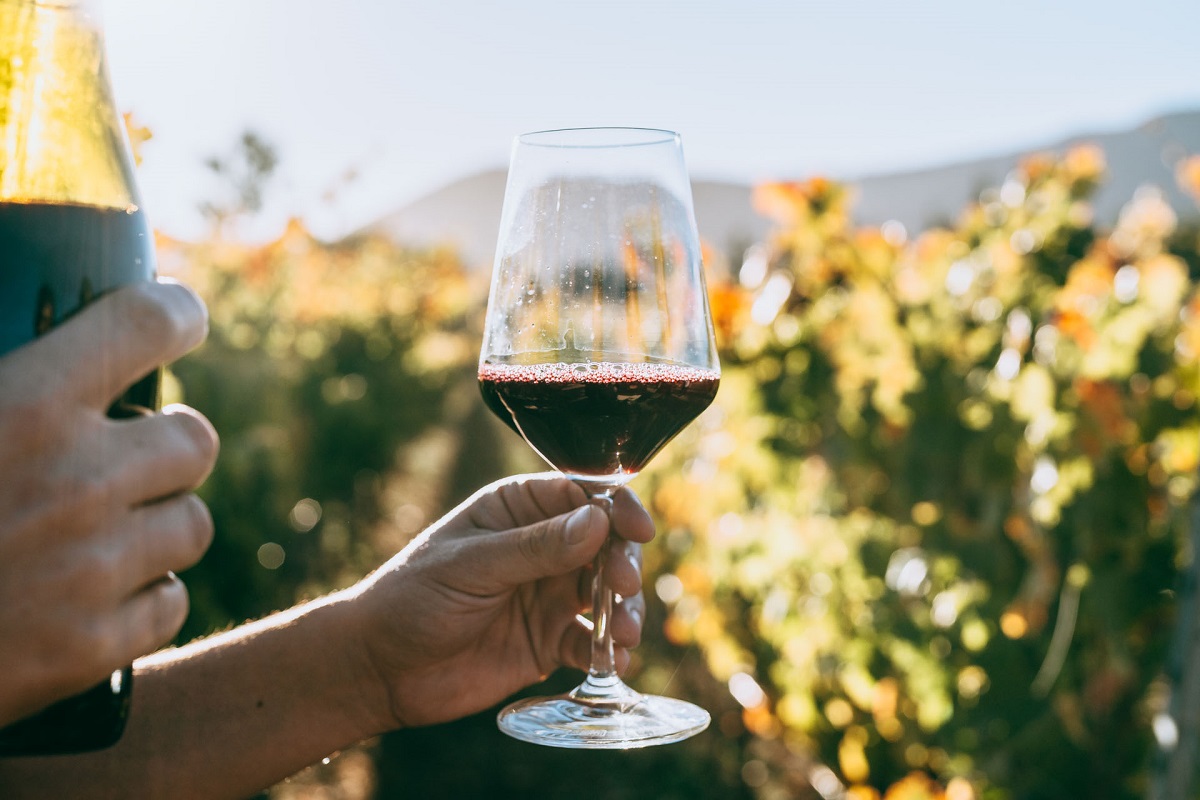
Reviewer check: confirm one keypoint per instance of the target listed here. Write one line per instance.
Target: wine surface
(597, 420)
(54, 258)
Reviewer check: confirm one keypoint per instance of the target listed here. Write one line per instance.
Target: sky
(373, 103)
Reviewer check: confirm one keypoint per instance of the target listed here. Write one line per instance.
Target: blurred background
(934, 540)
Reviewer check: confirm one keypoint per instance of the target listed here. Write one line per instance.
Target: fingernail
(577, 525)
(635, 614)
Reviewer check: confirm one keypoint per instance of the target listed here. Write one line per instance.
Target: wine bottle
(71, 228)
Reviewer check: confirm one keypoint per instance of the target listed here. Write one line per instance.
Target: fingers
(626, 624)
(623, 574)
(554, 546)
(165, 453)
(575, 649)
(96, 644)
(528, 499)
(137, 604)
(125, 600)
(163, 537)
(553, 494)
(148, 620)
(97, 354)
(629, 603)
(623, 567)
(630, 519)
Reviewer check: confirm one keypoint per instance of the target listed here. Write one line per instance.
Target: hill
(466, 213)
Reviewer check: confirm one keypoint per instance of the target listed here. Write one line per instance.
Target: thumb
(545, 549)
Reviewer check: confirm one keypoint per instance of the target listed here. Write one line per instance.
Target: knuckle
(105, 575)
(30, 416)
(165, 312)
(144, 306)
(46, 509)
(187, 301)
(88, 495)
(532, 545)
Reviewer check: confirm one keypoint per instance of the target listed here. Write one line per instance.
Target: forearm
(228, 715)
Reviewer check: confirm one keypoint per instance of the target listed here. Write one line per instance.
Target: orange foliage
(1187, 173)
(1103, 403)
(915, 786)
(729, 305)
(787, 202)
(1084, 163)
(1067, 349)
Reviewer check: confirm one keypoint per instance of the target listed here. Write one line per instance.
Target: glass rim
(598, 137)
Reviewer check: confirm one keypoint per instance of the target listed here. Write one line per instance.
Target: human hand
(95, 512)
(485, 602)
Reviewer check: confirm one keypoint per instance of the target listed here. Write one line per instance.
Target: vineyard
(931, 541)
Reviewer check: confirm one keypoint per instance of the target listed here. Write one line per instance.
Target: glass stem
(603, 688)
(603, 667)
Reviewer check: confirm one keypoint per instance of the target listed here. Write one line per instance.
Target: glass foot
(623, 723)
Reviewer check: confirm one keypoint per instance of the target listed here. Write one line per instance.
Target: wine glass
(598, 348)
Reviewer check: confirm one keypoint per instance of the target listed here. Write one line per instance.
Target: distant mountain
(1145, 155)
(466, 213)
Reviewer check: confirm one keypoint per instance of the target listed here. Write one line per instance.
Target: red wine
(53, 260)
(597, 420)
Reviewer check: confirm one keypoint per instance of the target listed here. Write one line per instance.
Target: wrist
(369, 700)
